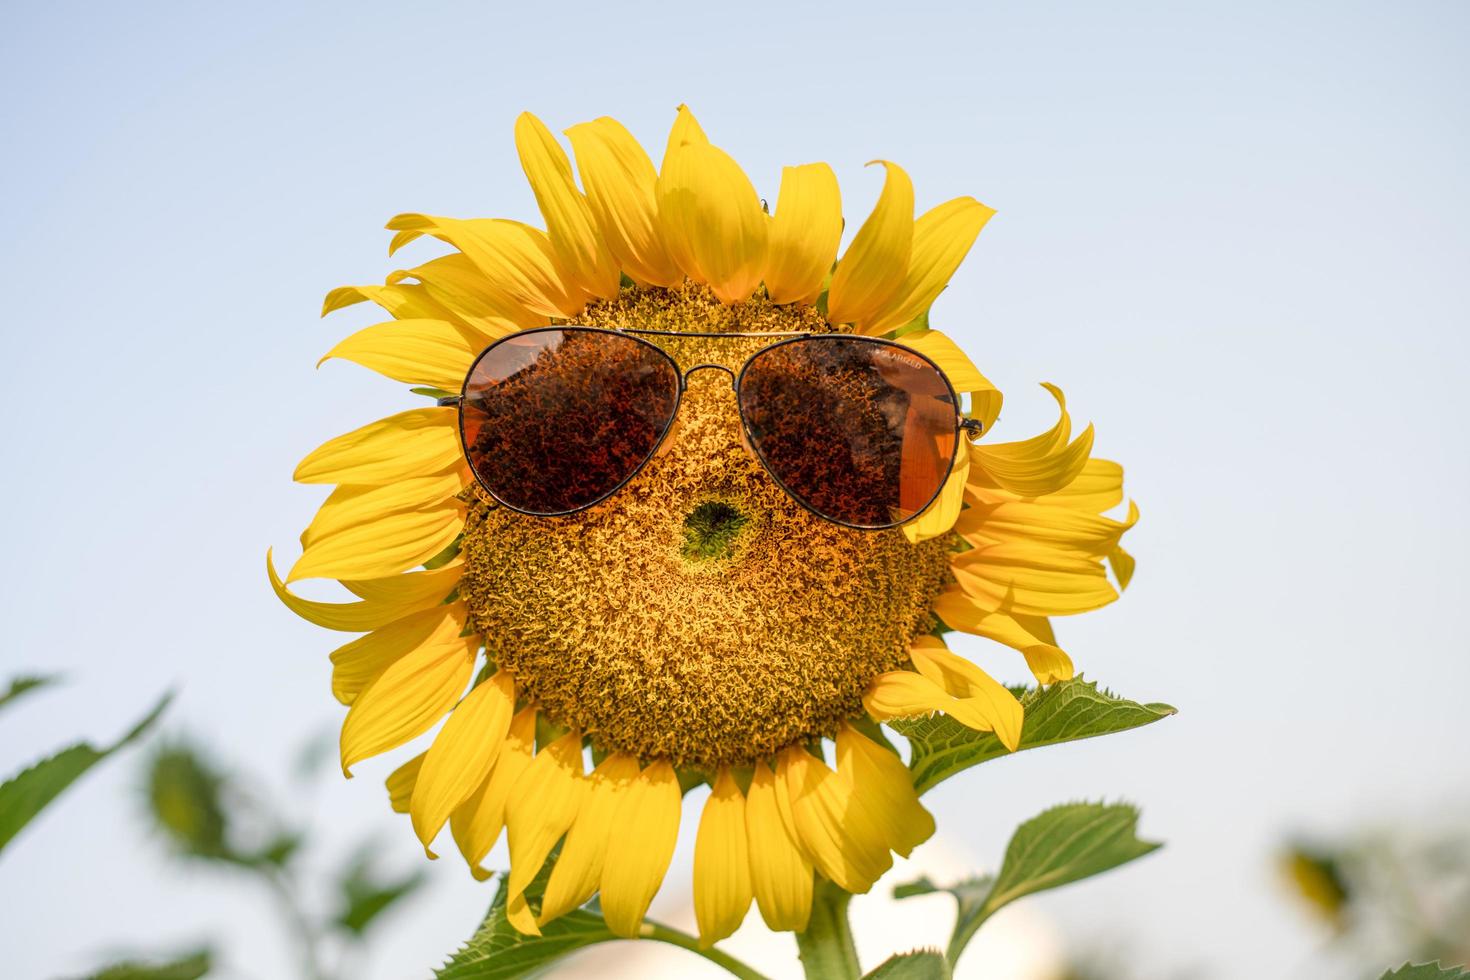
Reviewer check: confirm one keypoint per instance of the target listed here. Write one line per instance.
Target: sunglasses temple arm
(971, 427)
(448, 401)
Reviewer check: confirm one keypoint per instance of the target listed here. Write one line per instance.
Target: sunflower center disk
(700, 614)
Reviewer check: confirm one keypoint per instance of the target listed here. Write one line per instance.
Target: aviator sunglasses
(860, 431)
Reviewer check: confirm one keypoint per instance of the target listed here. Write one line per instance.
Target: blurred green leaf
(280, 850)
(1425, 971)
(189, 967)
(1063, 712)
(29, 792)
(365, 894)
(497, 952)
(969, 896)
(185, 797)
(921, 964)
(26, 683)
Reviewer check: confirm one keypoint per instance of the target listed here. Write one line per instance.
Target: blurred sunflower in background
(700, 626)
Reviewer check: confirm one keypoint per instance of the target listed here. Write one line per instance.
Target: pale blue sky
(1236, 233)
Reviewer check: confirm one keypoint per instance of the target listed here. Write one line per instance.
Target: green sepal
(435, 393)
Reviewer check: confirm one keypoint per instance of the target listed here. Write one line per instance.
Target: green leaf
(189, 967)
(969, 896)
(1057, 847)
(497, 952)
(366, 894)
(1063, 712)
(29, 792)
(921, 964)
(26, 683)
(1426, 971)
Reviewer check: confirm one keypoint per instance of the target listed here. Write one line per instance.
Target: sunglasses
(859, 431)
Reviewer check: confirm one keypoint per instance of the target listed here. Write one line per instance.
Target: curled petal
(1037, 466)
(388, 599)
(874, 265)
(1031, 636)
(1024, 578)
(1043, 525)
(350, 505)
(965, 681)
(905, 694)
(942, 239)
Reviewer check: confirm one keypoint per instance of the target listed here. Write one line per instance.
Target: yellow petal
(349, 505)
(711, 220)
(780, 874)
(874, 265)
(1040, 465)
(541, 807)
(905, 694)
(1047, 661)
(1123, 564)
(942, 239)
(391, 544)
(686, 129)
(357, 664)
(1097, 488)
(940, 516)
(843, 842)
(953, 361)
(516, 259)
(476, 823)
(402, 301)
(460, 758)
(392, 599)
(400, 783)
(805, 232)
(419, 352)
(965, 681)
(1062, 528)
(488, 304)
(406, 700)
(620, 181)
(722, 889)
(648, 827)
(575, 240)
(1023, 578)
(882, 783)
(578, 869)
(419, 442)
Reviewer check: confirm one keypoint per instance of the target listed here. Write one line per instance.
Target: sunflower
(699, 626)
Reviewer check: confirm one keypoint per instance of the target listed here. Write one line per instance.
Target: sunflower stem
(664, 934)
(826, 947)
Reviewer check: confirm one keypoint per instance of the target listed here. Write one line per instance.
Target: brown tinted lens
(555, 420)
(861, 431)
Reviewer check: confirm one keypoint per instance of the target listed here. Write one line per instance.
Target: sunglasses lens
(860, 431)
(556, 420)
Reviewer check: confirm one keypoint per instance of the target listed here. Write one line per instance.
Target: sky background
(1236, 233)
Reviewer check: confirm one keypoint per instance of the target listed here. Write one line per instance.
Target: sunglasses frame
(964, 427)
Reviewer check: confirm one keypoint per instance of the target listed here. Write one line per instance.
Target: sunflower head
(699, 625)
